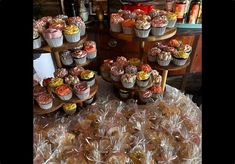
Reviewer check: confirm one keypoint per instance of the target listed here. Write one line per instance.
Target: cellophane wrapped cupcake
(128, 26)
(157, 92)
(106, 68)
(116, 73)
(124, 94)
(37, 42)
(78, 22)
(61, 72)
(66, 57)
(172, 18)
(153, 53)
(71, 80)
(135, 61)
(70, 108)
(76, 71)
(53, 37)
(142, 79)
(79, 56)
(128, 80)
(88, 76)
(116, 22)
(145, 96)
(91, 51)
(64, 92)
(45, 101)
(142, 28)
(159, 25)
(164, 58)
(82, 90)
(131, 69)
(72, 33)
(180, 58)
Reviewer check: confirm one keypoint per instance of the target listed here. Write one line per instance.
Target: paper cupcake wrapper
(128, 30)
(152, 58)
(116, 27)
(163, 62)
(158, 31)
(56, 42)
(179, 62)
(46, 106)
(115, 78)
(67, 61)
(72, 38)
(127, 85)
(91, 55)
(83, 96)
(142, 33)
(80, 60)
(171, 23)
(37, 43)
(141, 83)
(66, 97)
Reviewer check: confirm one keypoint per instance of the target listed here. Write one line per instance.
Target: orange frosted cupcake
(91, 51)
(128, 26)
(156, 91)
(64, 92)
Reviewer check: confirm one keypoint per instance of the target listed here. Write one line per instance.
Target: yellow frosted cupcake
(180, 58)
(55, 82)
(70, 108)
(135, 61)
(88, 76)
(142, 78)
(72, 33)
(172, 17)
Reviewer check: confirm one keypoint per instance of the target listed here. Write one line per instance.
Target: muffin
(64, 92)
(55, 82)
(145, 96)
(45, 101)
(88, 76)
(70, 108)
(180, 58)
(146, 68)
(60, 72)
(158, 25)
(128, 26)
(172, 18)
(78, 22)
(79, 56)
(89, 43)
(66, 57)
(76, 71)
(128, 80)
(72, 33)
(142, 28)
(152, 56)
(82, 90)
(38, 90)
(131, 69)
(124, 94)
(37, 42)
(157, 91)
(91, 51)
(142, 78)
(116, 22)
(122, 61)
(116, 73)
(164, 58)
(71, 80)
(135, 61)
(53, 37)
(106, 67)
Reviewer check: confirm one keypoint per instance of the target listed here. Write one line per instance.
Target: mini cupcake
(175, 43)
(82, 90)
(66, 57)
(72, 33)
(131, 69)
(76, 71)
(55, 82)
(158, 26)
(64, 92)
(79, 56)
(142, 28)
(71, 80)
(78, 22)
(122, 61)
(135, 61)
(180, 58)
(38, 90)
(164, 58)
(88, 76)
(53, 37)
(142, 78)
(116, 22)
(60, 72)
(45, 101)
(128, 26)
(89, 43)
(70, 108)
(152, 56)
(157, 91)
(145, 96)
(187, 49)
(116, 73)
(37, 42)
(146, 68)
(106, 67)
(128, 80)
(124, 94)
(91, 51)
(172, 18)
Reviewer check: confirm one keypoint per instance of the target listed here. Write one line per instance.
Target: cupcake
(144, 17)
(158, 26)
(187, 49)
(61, 16)
(66, 57)
(128, 26)
(134, 61)
(89, 43)
(145, 96)
(71, 80)
(175, 43)
(88, 76)
(171, 17)
(142, 78)
(157, 79)
(122, 61)
(91, 51)
(164, 58)
(152, 56)
(116, 73)
(172, 50)
(79, 56)
(70, 108)
(45, 101)
(76, 71)
(142, 28)
(53, 37)
(146, 68)
(64, 92)
(60, 72)
(78, 22)
(138, 12)
(37, 42)
(106, 67)
(124, 94)
(128, 80)
(131, 69)
(38, 90)
(157, 91)
(116, 22)
(180, 58)
(82, 90)
(57, 23)
(126, 14)
(72, 33)
(55, 82)
(156, 13)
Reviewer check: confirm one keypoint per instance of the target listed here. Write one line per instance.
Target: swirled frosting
(146, 68)
(116, 18)
(128, 78)
(141, 75)
(44, 98)
(87, 74)
(128, 23)
(71, 80)
(131, 69)
(79, 53)
(52, 33)
(159, 22)
(63, 90)
(142, 24)
(115, 70)
(76, 71)
(181, 54)
(164, 56)
(155, 51)
(55, 82)
(81, 86)
(71, 29)
(60, 72)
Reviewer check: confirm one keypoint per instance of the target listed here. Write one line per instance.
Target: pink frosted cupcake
(145, 96)
(131, 69)
(64, 92)
(72, 33)
(142, 28)
(66, 57)
(78, 22)
(76, 71)
(53, 37)
(116, 22)
(79, 56)
(146, 68)
(82, 90)
(159, 25)
(122, 61)
(152, 56)
(164, 58)
(60, 72)
(128, 80)
(116, 73)
(128, 26)
(91, 51)
(45, 101)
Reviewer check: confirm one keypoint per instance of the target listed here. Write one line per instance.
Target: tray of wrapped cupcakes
(75, 85)
(153, 26)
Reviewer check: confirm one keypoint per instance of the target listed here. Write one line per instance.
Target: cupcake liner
(91, 55)
(163, 62)
(89, 101)
(179, 62)
(80, 60)
(116, 27)
(127, 85)
(124, 95)
(66, 97)
(72, 38)
(70, 112)
(105, 74)
(46, 106)
(37, 43)
(67, 61)
(142, 83)
(171, 23)
(56, 42)
(128, 30)
(142, 33)
(115, 78)
(90, 82)
(158, 31)
(82, 96)
(152, 58)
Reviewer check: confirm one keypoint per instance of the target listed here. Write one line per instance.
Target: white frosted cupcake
(164, 58)
(128, 80)
(37, 42)
(66, 57)
(79, 56)
(53, 37)
(142, 28)
(154, 52)
(116, 22)
(159, 25)
(72, 33)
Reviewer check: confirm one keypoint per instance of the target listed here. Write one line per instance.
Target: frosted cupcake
(135, 61)
(131, 69)
(145, 96)
(89, 43)
(72, 33)
(164, 58)
(180, 58)
(88, 76)
(70, 108)
(82, 90)
(142, 28)
(116, 22)
(64, 92)
(71, 80)
(78, 22)
(146, 68)
(157, 79)
(142, 79)
(175, 43)
(122, 61)
(91, 51)
(66, 57)
(128, 80)
(156, 13)
(126, 14)
(53, 37)
(152, 56)
(158, 26)
(144, 17)
(57, 23)
(55, 82)
(45, 101)
(116, 73)
(106, 67)
(128, 26)
(37, 42)
(157, 91)
(60, 72)
(172, 50)
(76, 71)
(172, 18)
(79, 56)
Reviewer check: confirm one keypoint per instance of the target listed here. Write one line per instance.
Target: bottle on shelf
(194, 11)
(180, 7)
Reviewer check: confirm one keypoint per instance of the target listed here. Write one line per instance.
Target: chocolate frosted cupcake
(142, 28)
(66, 57)
(131, 69)
(76, 71)
(116, 73)
(152, 56)
(128, 80)
(159, 25)
(79, 56)
(164, 58)
(60, 72)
